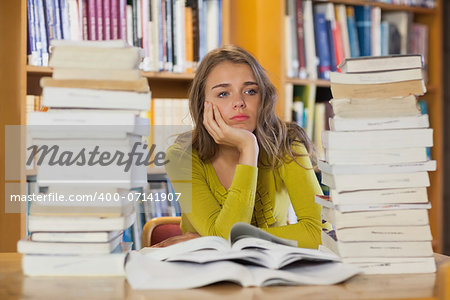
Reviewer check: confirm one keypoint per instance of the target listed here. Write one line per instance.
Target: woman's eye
(222, 94)
(251, 92)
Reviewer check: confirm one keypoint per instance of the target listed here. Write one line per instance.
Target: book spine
(50, 19)
(114, 20)
(84, 19)
(43, 32)
(169, 36)
(107, 19)
(122, 32)
(65, 20)
(189, 42)
(322, 46)
(58, 22)
(300, 40)
(91, 13)
(34, 51)
(75, 29)
(352, 32)
(363, 18)
(134, 11)
(99, 19)
(331, 45)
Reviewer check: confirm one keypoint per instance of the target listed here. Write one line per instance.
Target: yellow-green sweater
(258, 196)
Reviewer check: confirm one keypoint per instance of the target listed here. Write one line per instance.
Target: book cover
(322, 46)
(363, 22)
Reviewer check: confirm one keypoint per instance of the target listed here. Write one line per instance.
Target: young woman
(243, 164)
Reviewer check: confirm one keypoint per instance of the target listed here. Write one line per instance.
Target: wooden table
(14, 285)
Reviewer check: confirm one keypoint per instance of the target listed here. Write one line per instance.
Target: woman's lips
(240, 118)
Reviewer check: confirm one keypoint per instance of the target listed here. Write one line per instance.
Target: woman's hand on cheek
(224, 134)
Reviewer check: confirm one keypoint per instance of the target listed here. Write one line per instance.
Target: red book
(99, 13)
(114, 19)
(338, 45)
(92, 29)
(107, 19)
(300, 40)
(83, 12)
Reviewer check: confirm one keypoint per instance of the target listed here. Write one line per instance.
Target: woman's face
(233, 89)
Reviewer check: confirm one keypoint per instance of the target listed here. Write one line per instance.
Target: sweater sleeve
(200, 206)
(302, 185)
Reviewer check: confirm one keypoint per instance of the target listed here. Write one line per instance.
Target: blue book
(352, 32)
(33, 51)
(364, 26)
(42, 36)
(202, 28)
(65, 23)
(169, 35)
(219, 20)
(384, 28)
(333, 62)
(322, 46)
(58, 23)
(50, 20)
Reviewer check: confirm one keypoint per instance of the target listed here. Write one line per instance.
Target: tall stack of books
(376, 167)
(90, 159)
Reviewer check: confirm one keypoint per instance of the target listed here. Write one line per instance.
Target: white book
(354, 182)
(58, 223)
(375, 107)
(377, 249)
(122, 162)
(27, 246)
(360, 124)
(86, 124)
(215, 259)
(90, 44)
(384, 233)
(381, 63)
(95, 74)
(375, 218)
(376, 77)
(366, 157)
(393, 265)
(90, 98)
(75, 237)
(77, 265)
(326, 201)
(420, 166)
(310, 51)
(408, 195)
(385, 139)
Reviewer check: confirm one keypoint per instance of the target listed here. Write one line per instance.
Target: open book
(251, 257)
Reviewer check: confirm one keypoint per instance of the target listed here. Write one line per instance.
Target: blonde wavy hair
(274, 136)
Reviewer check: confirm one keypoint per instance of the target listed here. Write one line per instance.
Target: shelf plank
(385, 6)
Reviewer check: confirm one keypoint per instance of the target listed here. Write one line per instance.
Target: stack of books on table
(90, 157)
(376, 167)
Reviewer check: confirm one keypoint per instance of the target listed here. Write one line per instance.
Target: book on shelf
(375, 107)
(406, 122)
(111, 264)
(407, 195)
(74, 236)
(381, 63)
(416, 166)
(395, 217)
(377, 249)
(386, 139)
(28, 246)
(352, 182)
(275, 262)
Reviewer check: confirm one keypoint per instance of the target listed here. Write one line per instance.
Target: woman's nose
(238, 103)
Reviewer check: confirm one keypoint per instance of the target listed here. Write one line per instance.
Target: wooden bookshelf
(385, 6)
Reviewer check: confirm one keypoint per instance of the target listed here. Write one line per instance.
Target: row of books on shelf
(174, 34)
(415, 3)
(321, 35)
(376, 168)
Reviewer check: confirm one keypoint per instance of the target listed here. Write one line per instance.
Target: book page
(203, 243)
(243, 230)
